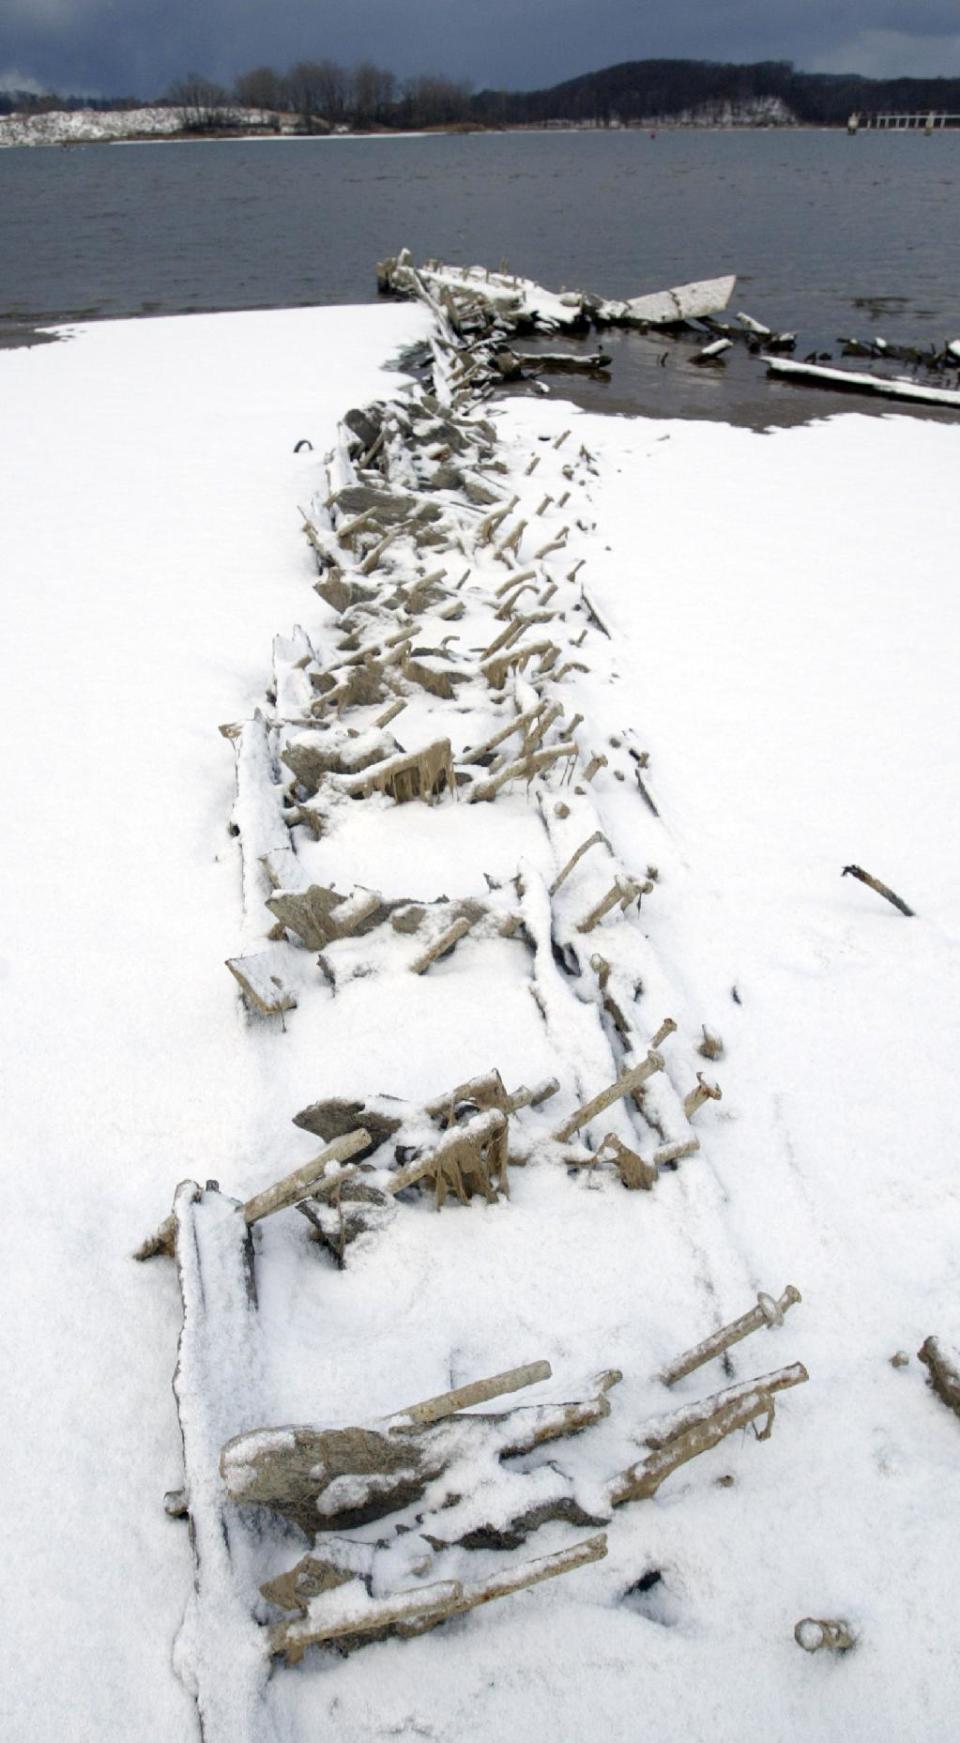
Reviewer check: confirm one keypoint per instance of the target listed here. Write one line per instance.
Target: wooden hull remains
(331, 1535)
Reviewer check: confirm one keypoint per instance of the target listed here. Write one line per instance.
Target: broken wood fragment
(768, 1311)
(711, 1047)
(635, 1173)
(943, 1372)
(391, 713)
(262, 982)
(873, 883)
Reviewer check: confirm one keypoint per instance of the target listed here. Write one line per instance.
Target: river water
(829, 235)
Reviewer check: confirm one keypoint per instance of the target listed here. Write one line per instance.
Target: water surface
(829, 235)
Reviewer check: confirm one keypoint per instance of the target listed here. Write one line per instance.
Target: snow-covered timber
(855, 381)
(526, 306)
(685, 302)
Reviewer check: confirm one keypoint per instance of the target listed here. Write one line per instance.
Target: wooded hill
(666, 89)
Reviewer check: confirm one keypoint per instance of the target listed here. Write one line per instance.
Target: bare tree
(372, 94)
(258, 89)
(333, 90)
(432, 101)
(203, 105)
(307, 88)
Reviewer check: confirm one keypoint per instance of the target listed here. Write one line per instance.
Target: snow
(152, 544)
(86, 126)
(782, 627)
(94, 126)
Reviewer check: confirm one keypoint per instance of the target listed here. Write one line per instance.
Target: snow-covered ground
(782, 623)
(91, 126)
(86, 126)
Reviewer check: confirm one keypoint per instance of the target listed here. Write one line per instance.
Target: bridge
(928, 121)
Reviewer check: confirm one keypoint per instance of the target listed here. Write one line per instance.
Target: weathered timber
(575, 858)
(285, 1193)
(692, 1432)
(524, 768)
(313, 756)
(447, 941)
(475, 1392)
(338, 1478)
(417, 1610)
(335, 1117)
(564, 362)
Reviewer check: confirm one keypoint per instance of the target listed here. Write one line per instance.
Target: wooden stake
(621, 893)
(704, 1091)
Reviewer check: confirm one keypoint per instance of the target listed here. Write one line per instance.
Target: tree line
(323, 95)
(320, 95)
(659, 89)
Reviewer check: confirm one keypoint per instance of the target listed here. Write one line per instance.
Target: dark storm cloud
(141, 45)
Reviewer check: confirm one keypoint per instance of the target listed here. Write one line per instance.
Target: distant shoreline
(230, 136)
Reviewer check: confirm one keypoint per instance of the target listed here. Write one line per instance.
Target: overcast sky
(115, 47)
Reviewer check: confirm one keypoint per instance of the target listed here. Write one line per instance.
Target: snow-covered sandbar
(782, 626)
